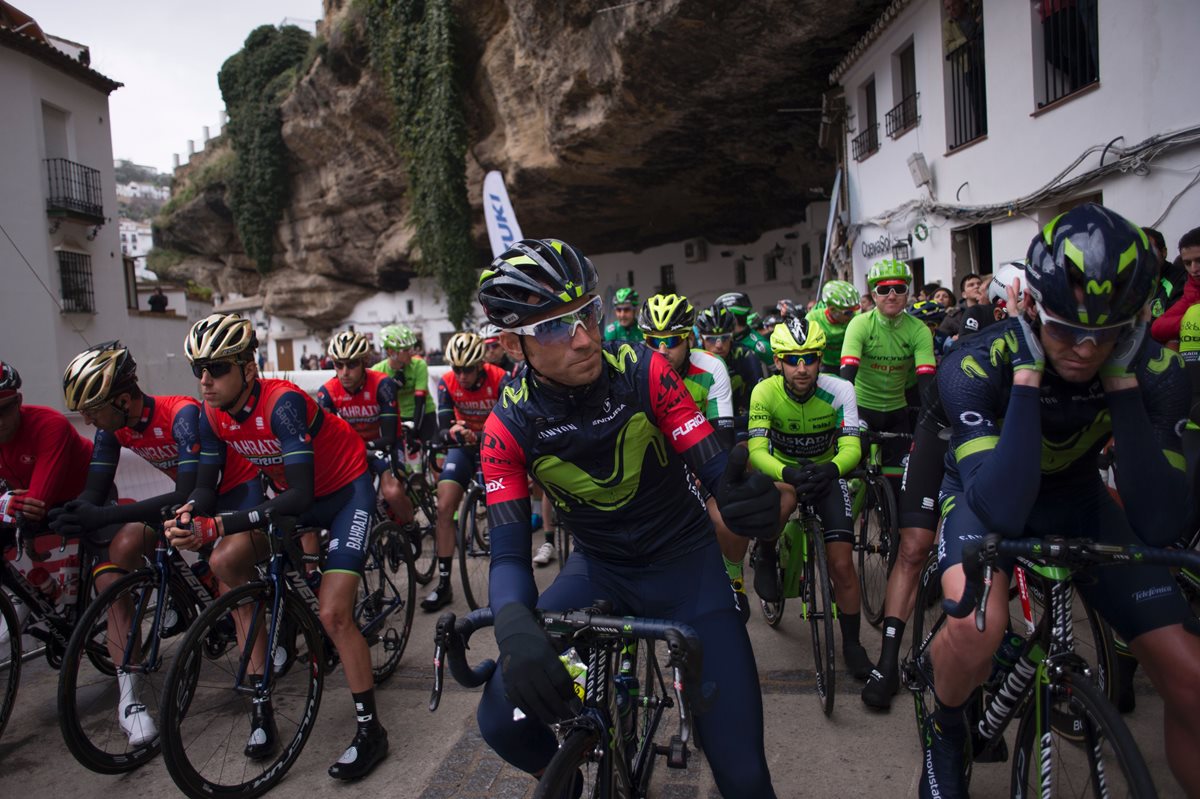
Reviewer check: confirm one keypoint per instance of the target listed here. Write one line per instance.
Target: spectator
(865, 303)
(1172, 276)
(1166, 327)
(158, 301)
(943, 297)
(968, 291)
(927, 291)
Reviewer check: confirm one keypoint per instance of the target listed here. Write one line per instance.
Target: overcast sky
(167, 53)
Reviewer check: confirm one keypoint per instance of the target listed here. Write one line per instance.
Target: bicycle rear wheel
(877, 543)
(1092, 638)
(819, 597)
(576, 756)
(423, 536)
(10, 658)
(474, 547)
(207, 711)
(1104, 762)
(387, 600)
(562, 543)
(88, 696)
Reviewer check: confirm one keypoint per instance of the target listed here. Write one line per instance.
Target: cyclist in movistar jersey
(414, 402)
(643, 539)
(804, 434)
(838, 305)
(625, 309)
(1071, 368)
(738, 305)
(715, 325)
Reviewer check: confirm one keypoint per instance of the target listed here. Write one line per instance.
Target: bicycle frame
(58, 626)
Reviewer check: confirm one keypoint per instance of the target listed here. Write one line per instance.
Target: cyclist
(101, 384)
(804, 435)
(1073, 366)
(613, 435)
(738, 304)
(413, 400)
(879, 353)
(466, 395)
(319, 466)
(624, 308)
(493, 353)
(839, 304)
(931, 314)
(367, 400)
(715, 325)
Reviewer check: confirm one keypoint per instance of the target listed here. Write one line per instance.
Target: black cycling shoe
(438, 598)
(857, 662)
(362, 755)
(264, 738)
(880, 689)
(766, 575)
(944, 762)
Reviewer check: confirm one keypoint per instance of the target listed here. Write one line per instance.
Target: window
(966, 98)
(971, 251)
(770, 266)
(667, 278)
(75, 275)
(739, 272)
(806, 259)
(408, 306)
(903, 117)
(131, 296)
(1065, 48)
(867, 142)
(629, 278)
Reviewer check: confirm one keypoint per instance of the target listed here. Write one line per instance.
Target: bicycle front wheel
(1101, 761)
(211, 693)
(423, 536)
(877, 542)
(474, 547)
(387, 600)
(819, 597)
(576, 755)
(10, 657)
(772, 611)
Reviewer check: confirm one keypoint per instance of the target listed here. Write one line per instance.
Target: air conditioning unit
(695, 251)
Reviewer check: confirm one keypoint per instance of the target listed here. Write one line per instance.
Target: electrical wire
(45, 288)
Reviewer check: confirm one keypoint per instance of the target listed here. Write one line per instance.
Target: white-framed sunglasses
(561, 328)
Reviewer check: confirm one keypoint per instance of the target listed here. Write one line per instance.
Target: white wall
(428, 317)
(1147, 87)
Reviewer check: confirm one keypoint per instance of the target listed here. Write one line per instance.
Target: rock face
(616, 127)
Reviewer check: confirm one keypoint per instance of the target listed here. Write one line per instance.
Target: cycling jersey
(468, 406)
(707, 380)
(46, 457)
(279, 425)
(371, 410)
(615, 331)
(1189, 334)
(756, 344)
(823, 427)
(412, 385)
(884, 350)
(835, 334)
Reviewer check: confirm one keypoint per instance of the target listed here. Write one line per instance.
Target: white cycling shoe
(545, 554)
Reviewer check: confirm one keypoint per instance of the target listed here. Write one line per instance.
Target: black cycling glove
(749, 503)
(535, 680)
(74, 518)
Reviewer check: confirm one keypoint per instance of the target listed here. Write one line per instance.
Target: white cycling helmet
(1002, 279)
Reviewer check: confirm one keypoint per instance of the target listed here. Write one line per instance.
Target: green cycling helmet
(397, 337)
(888, 269)
(625, 296)
(839, 294)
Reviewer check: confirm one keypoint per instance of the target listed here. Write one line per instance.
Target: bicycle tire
(562, 543)
(772, 611)
(1098, 648)
(10, 659)
(474, 550)
(877, 544)
(1101, 726)
(388, 599)
(559, 777)
(86, 699)
(927, 609)
(820, 618)
(200, 689)
(423, 540)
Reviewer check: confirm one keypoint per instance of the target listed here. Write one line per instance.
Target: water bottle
(40, 579)
(1006, 656)
(577, 669)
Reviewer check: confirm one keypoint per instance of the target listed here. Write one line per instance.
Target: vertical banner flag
(502, 225)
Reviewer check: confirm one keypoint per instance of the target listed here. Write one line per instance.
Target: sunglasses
(215, 368)
(561, 329)
(797, 358)
(345, 364)
(670, 342)
(717, 339)
(895, 288)
(464, 370)
(1076, 334)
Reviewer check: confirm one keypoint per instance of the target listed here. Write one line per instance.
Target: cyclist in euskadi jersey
(804, 434)
(839, 305)
(879, 352)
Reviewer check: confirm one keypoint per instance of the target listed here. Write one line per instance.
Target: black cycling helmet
(716, 320)
(1105, 255)
(737, 302)
(532, 277)
(10, 381)
(927, 311)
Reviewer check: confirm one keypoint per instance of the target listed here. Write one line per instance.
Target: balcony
(903, 117)
(74, 192)
(966, 93)
(866, 143)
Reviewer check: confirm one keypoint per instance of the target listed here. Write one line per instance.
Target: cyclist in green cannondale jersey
(839, 304)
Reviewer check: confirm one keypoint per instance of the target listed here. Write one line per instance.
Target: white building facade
(66, 284)
(964, 136)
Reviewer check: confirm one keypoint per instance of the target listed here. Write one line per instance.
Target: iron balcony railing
(1070, 44)
(865, 143)
(74, 190)
(75, 275)
(904, 116)
(968, 97)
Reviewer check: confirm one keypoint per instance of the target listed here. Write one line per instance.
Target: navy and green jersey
(835, 334)
(615, 331)
(885, 350)
(823, 427)
(745, 372)
(755, 343)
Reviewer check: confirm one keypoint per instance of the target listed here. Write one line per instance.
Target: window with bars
(866, 143)
(903, 116)
(1065, 48)
(770, 266)
(667, 278)
(739, 272)
(75, 276)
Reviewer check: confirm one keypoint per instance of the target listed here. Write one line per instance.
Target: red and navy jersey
(278, 424)
(167, 436)
(616, 457)
(46, 457)
(470, 407)
(374, 400)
